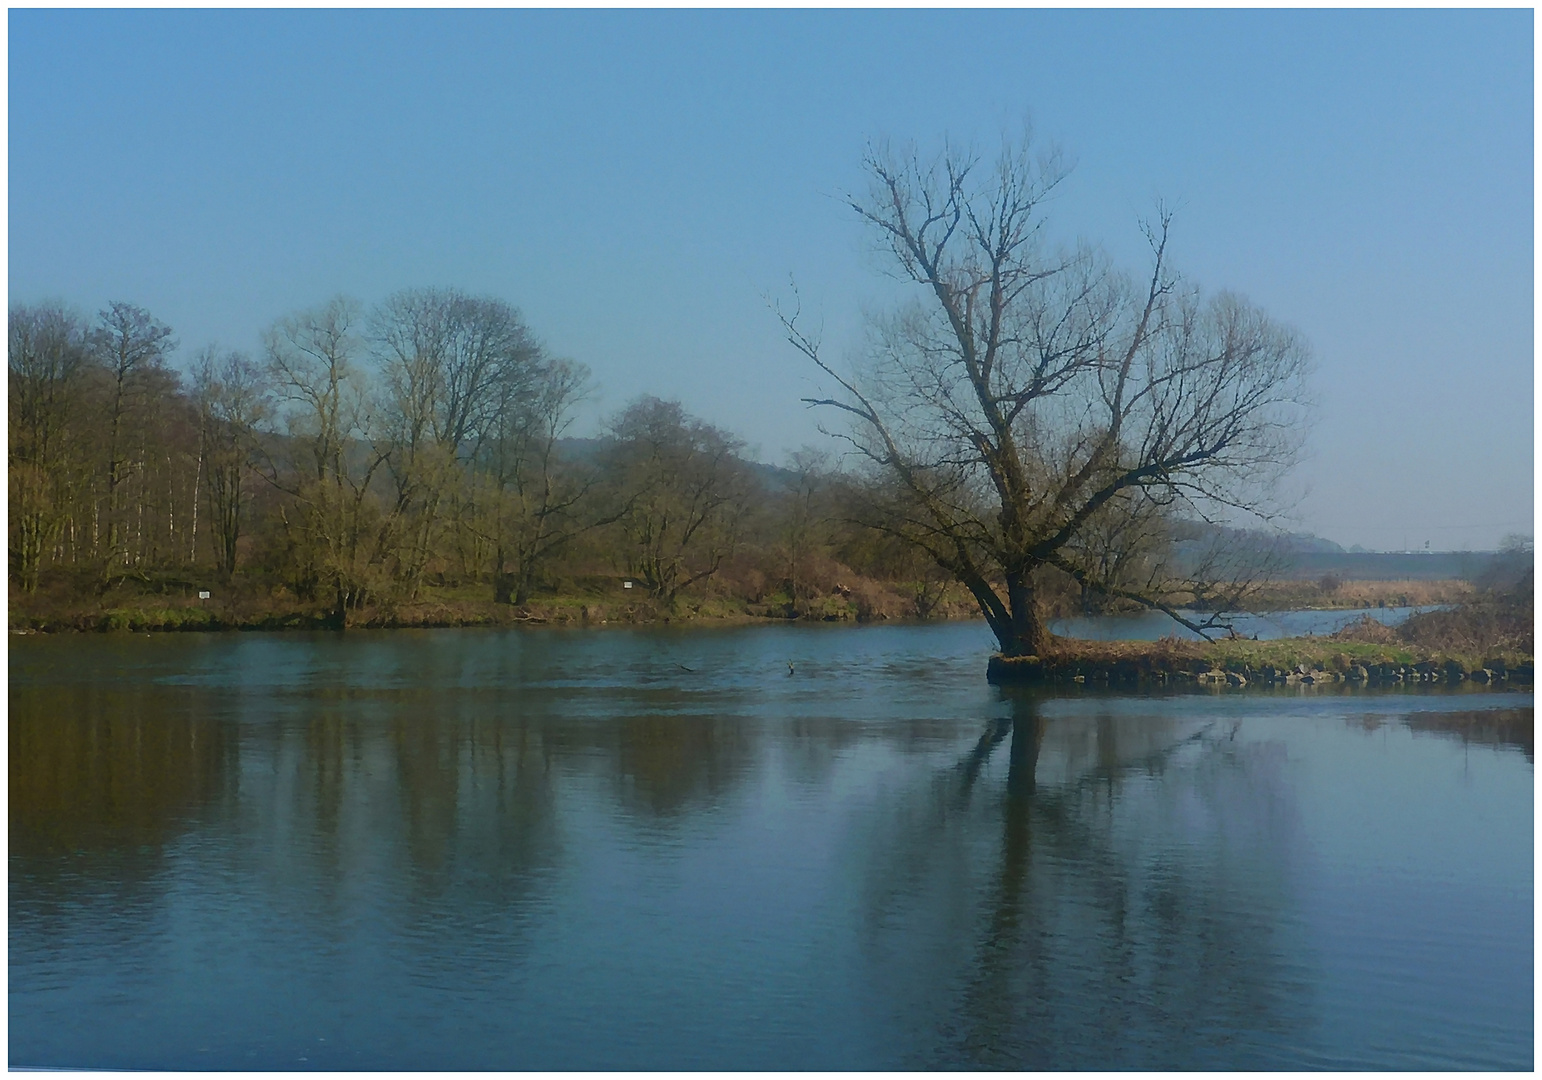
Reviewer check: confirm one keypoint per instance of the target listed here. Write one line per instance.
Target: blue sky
(638, 183)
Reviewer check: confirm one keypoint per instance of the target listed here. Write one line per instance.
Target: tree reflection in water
(1124, 914)
(667, 764)
(455, 850)
(103, 781)
(1486, 727)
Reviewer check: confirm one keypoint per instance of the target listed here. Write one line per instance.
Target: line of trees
(1032, 424)
(366, 454)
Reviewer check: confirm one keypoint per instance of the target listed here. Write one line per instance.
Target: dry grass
(1488, 625)
(1369, 630)
(1330, 593)
(1168, 651)
(1493, 622)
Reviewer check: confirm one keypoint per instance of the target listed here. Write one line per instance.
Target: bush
(1369, 630)
(1498, 620)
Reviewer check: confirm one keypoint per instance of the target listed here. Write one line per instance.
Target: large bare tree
(339, 535)
(1026, 392)
(131, 345)
(451, 364)
(683, 491)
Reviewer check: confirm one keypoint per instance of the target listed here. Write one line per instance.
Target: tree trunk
(503, 589)
(526, 582)
(338, 617)
(114, 478)
(192, 547)
(230, 518)
(1027, 634)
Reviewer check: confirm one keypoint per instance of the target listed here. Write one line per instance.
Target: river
(765, 847)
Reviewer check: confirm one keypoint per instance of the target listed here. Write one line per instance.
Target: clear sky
(637, 183)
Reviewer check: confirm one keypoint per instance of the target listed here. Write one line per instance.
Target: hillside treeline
(370, 457)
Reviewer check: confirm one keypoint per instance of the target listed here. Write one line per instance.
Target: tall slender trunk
(192, 547)
(114, 479)
(526, 582)
(139, 516)
(230, 524)
(171, 510)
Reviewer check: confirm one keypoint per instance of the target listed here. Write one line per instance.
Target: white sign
(626, 584)
(203, 594)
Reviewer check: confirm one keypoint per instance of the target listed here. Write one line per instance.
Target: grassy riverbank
(1486, 639)
(172, 605)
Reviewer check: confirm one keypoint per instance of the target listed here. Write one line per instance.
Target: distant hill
(1304, 555)
(1308, 557)
(1308, 544)
(774, 477)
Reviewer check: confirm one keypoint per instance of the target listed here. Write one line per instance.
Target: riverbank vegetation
(1487, 638)
(1330, 593)
(405, 466)
(411, 466)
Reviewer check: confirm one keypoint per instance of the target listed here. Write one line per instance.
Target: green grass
(159, 618)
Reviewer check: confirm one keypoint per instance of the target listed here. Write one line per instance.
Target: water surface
(661, 849)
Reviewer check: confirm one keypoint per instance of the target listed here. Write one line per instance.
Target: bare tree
(684, 490)
(48, 361)
(539, 503)
(451, 364)
(802, 524)
(339, 535)
(131, 345)
(232, 396)
(1026, 390)
(1127, 546)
